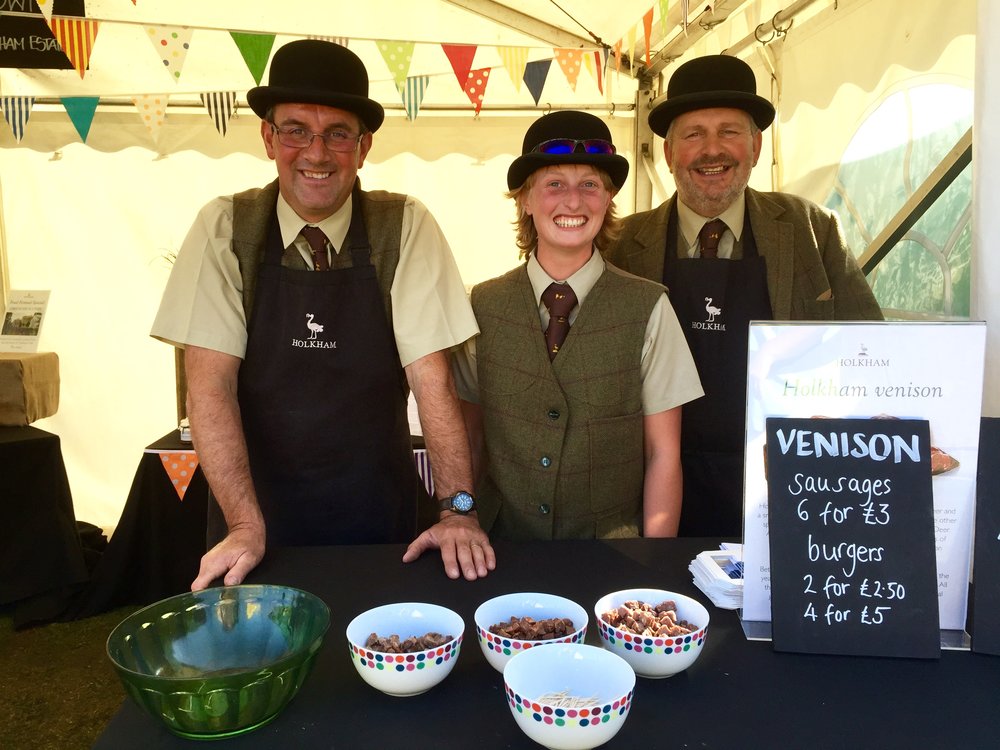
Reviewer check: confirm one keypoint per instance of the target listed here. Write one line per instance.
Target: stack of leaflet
(719, 574)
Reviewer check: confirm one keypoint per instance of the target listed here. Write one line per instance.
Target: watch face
(463, 502)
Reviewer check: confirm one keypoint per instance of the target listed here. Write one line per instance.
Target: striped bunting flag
(17, 109)
(76, 37)
(221, 106)
(514, 60)
(424, 469)
(412, 92)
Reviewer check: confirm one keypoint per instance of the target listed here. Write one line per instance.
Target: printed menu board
(929, 371)
(852, 537)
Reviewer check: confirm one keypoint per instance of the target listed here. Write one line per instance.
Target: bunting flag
(153, 111)
(514, 59)
(570, 61)
(599, 64)
(412, 91)
(475, 86)
(647, 31)
(664, 9)
(255, 49)
(76, 37)
(424, 469)
(16, 110)
(221, 106)
(631, 49)
(180, 467)
(46, 7)
(397, 57)
(535, 75)
(81, 111)
(685, 10)
(460, 56)
(341, 40)
(618, 56)
(172, 44)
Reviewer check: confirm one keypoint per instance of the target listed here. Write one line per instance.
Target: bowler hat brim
(263, 98)
(759, 108)
(614, 164)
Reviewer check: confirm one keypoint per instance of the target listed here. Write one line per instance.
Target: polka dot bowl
(405, 674)
(497, 649)
(569, 696)
(654, 657)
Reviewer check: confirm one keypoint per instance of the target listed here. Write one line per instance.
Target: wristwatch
(461, 502)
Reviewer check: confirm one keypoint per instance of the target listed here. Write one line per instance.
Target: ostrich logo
(711, 310)
(314, 328)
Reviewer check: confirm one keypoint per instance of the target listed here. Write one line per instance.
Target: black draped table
(41, 558)
(739, 694)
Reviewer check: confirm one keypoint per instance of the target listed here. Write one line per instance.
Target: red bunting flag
(647, 30)
(76, 37)
(460, 56)
(475, 86)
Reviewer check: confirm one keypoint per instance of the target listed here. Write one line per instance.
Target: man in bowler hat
(729, 254)
(307, 310)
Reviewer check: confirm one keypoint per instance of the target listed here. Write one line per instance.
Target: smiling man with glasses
(306, 317)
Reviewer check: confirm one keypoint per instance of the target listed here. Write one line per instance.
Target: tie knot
(559, 299)
(709, 237)
(317, 241)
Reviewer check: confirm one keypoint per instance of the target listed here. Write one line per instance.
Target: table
(739, 694)
(41, 558)
(157, 545)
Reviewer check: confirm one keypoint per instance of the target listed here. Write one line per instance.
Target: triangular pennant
(664, 9)
(647, 31)
(412, 91)
(630, 36)
(460, 56)
(46, 7)
(570, 60)
(256, 49)
(180, 468)
(172, 44)
(76, 37)
(397, 56)
(514, 59)
(685, 12)
(153, 111)
(535, 75)
(17, 109)
(475, 86)
(221, 106)
(597, 68)
(618, 56)
(341, 40)
(81, 111)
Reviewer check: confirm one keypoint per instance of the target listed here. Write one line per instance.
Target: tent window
(928, 273)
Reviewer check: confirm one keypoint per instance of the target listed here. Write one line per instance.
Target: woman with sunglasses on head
(572, 391)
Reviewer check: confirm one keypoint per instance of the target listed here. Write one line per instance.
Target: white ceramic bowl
(654, 657)
(405, 674)
(497, 649)
(602, 683)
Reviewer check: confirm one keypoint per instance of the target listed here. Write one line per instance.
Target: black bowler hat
(313, 71)
(711, 81)
(550, 139)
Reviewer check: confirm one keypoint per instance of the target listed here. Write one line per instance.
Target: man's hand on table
(465, 548)
(233, 558)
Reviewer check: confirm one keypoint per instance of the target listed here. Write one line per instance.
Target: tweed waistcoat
(564, 438)
(252, 213)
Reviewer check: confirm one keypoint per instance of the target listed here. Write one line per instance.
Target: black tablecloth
(155, 550)
(41, 558)
(738, 695)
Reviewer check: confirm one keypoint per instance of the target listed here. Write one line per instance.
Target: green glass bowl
(222, 661)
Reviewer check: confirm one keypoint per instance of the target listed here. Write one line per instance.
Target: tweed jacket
(811, 273)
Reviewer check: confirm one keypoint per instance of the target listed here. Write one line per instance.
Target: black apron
(323, 401)
(715, 299)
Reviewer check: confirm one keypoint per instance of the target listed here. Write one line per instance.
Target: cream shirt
(202, 304)
(666, 368)
(691, 224)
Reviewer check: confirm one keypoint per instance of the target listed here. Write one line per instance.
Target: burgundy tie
(559, 299)
(709, 237)
(317, 241)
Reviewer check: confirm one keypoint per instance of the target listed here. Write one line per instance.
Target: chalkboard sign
(28, 42)
(851, 535)
(986, 592)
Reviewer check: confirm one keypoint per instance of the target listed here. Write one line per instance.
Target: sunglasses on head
(570, 145)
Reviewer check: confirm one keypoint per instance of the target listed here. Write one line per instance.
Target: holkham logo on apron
(312, 342)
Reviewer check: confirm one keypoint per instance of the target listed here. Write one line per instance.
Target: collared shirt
(691, 224)
(202, 304)
(666, 368)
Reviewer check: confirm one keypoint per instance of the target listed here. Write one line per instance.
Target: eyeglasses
(570, 145)
(334, 140)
